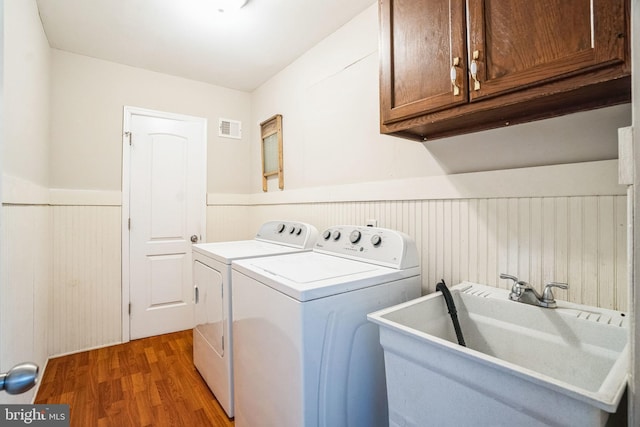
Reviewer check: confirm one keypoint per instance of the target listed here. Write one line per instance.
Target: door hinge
(129, 224)
(128, 135)
(129, 308)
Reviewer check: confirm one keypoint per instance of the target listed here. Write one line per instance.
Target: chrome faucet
(523, 292)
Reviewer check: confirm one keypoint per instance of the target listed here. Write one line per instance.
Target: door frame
(128, 113)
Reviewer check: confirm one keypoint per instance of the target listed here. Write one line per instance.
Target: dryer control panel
(380, 246)
(289, 233)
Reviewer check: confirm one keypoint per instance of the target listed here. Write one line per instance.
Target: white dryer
(304, 353)
(212, 336)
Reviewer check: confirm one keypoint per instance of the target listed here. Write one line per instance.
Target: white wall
(88, 96)
(25, 294)
(337, 168)
(26, 83)
(87, 100)
(25, 261)
(475, 226)
(329, 102)
(85, 281)
(2, 286)
(559, 223)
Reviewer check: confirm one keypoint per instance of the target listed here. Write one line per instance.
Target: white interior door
(167, 203)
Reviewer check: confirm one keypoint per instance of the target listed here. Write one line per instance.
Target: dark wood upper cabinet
(422, 39)
(449, 67)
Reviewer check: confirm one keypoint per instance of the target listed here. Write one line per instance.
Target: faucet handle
(517, 283)
(517, 288)
(508, 277)
(547, 294)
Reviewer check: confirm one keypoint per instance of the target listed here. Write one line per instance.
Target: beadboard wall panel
(86, 280)
(25, 292)
(71, 283)
(226, 223)
(579, 240)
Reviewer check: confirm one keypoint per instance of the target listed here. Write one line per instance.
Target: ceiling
(190, 38)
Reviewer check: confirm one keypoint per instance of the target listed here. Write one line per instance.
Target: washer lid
(311, 275)
(313, 269)
(225, 252)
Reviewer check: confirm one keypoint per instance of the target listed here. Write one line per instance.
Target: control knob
(326, 235)
(280, 228)
(336, 235)
(354, 237)
(376, 240)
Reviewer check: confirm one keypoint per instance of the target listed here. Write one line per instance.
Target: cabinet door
(521, 43)
(419, 40)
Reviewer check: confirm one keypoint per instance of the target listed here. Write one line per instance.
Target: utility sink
(523, 365)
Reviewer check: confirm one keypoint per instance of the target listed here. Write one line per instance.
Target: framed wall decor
(271, 147)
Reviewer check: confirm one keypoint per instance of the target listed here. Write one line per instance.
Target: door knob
(194, 239)
(20, 378)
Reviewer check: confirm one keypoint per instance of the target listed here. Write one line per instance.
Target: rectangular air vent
(230, 129)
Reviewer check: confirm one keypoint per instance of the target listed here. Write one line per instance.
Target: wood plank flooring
(146, 382)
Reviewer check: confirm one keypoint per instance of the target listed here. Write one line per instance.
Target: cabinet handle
(454, 76)
(474, 70)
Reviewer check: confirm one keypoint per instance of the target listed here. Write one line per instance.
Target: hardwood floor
(146, 382)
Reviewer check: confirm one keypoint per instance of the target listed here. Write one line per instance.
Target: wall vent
(230, 128)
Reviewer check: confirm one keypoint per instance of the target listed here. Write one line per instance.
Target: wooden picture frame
(271, 148)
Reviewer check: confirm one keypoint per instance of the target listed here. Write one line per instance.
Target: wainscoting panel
(579, 240)
(86, 282)
(226, 223)
(25, 291)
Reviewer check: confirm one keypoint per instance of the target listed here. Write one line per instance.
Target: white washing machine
(212, 336)
(304, 352)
